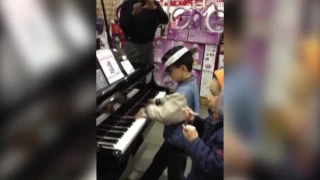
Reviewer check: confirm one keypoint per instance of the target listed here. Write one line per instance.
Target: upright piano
(118, 134)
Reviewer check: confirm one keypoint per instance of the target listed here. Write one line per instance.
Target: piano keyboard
(121, 132)
(104, 116)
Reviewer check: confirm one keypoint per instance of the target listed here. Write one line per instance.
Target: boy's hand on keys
(141, 114)
(189, 132)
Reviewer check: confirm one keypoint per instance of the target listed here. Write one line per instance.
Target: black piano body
(119, 135)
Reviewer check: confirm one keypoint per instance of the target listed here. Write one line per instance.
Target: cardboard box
(161, 80)
(178, 34)
(203, 36)
(197, 76)
(161, 46)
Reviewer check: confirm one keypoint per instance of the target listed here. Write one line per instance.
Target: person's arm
(156, 11)
(170, 112)
(160, 101)
(126, 17)
(162, 17)
(187, 92)
(208, 158)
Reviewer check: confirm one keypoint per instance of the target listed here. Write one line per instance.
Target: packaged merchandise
(162, 80)
(197, 76)
(210, 55)
(178, 34)
(206, 78)
(161, 46)
(203, 36)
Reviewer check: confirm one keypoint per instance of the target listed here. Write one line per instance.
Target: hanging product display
(214, 19)
(210, 19)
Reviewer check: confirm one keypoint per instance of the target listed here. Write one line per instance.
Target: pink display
(161, 80)
(203, 36)
(197, 76)
(178, 34)
(161, 46)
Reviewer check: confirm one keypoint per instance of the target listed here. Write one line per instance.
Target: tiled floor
(149, 148)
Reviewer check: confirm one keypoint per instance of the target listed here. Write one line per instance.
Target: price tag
(221, 61)
(109, 65)
(127, 66)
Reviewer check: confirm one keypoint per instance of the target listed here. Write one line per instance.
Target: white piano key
(130, 135)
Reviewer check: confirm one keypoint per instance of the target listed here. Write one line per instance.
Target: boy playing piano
(178, 62)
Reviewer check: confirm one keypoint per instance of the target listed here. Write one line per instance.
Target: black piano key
(111, 141)
(125, 124)
(115, 130)
(105, 144)
(114, 134)
(126, 118)
(104, 130)
(100, 132)
(106, 137)
(119, 129)
(130, 120)
(124, 121)
(109, 122)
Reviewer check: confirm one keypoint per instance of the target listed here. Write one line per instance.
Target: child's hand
(189, 132)
(187, 114)
(141, 114)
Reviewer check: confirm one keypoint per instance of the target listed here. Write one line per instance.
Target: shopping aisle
(149, 149)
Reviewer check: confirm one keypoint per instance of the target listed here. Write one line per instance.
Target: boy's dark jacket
(206, 151)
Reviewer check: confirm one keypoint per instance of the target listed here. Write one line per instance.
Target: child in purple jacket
(205, 137)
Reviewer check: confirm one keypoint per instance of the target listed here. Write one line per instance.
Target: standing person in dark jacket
(206, 137)
(139, 20)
